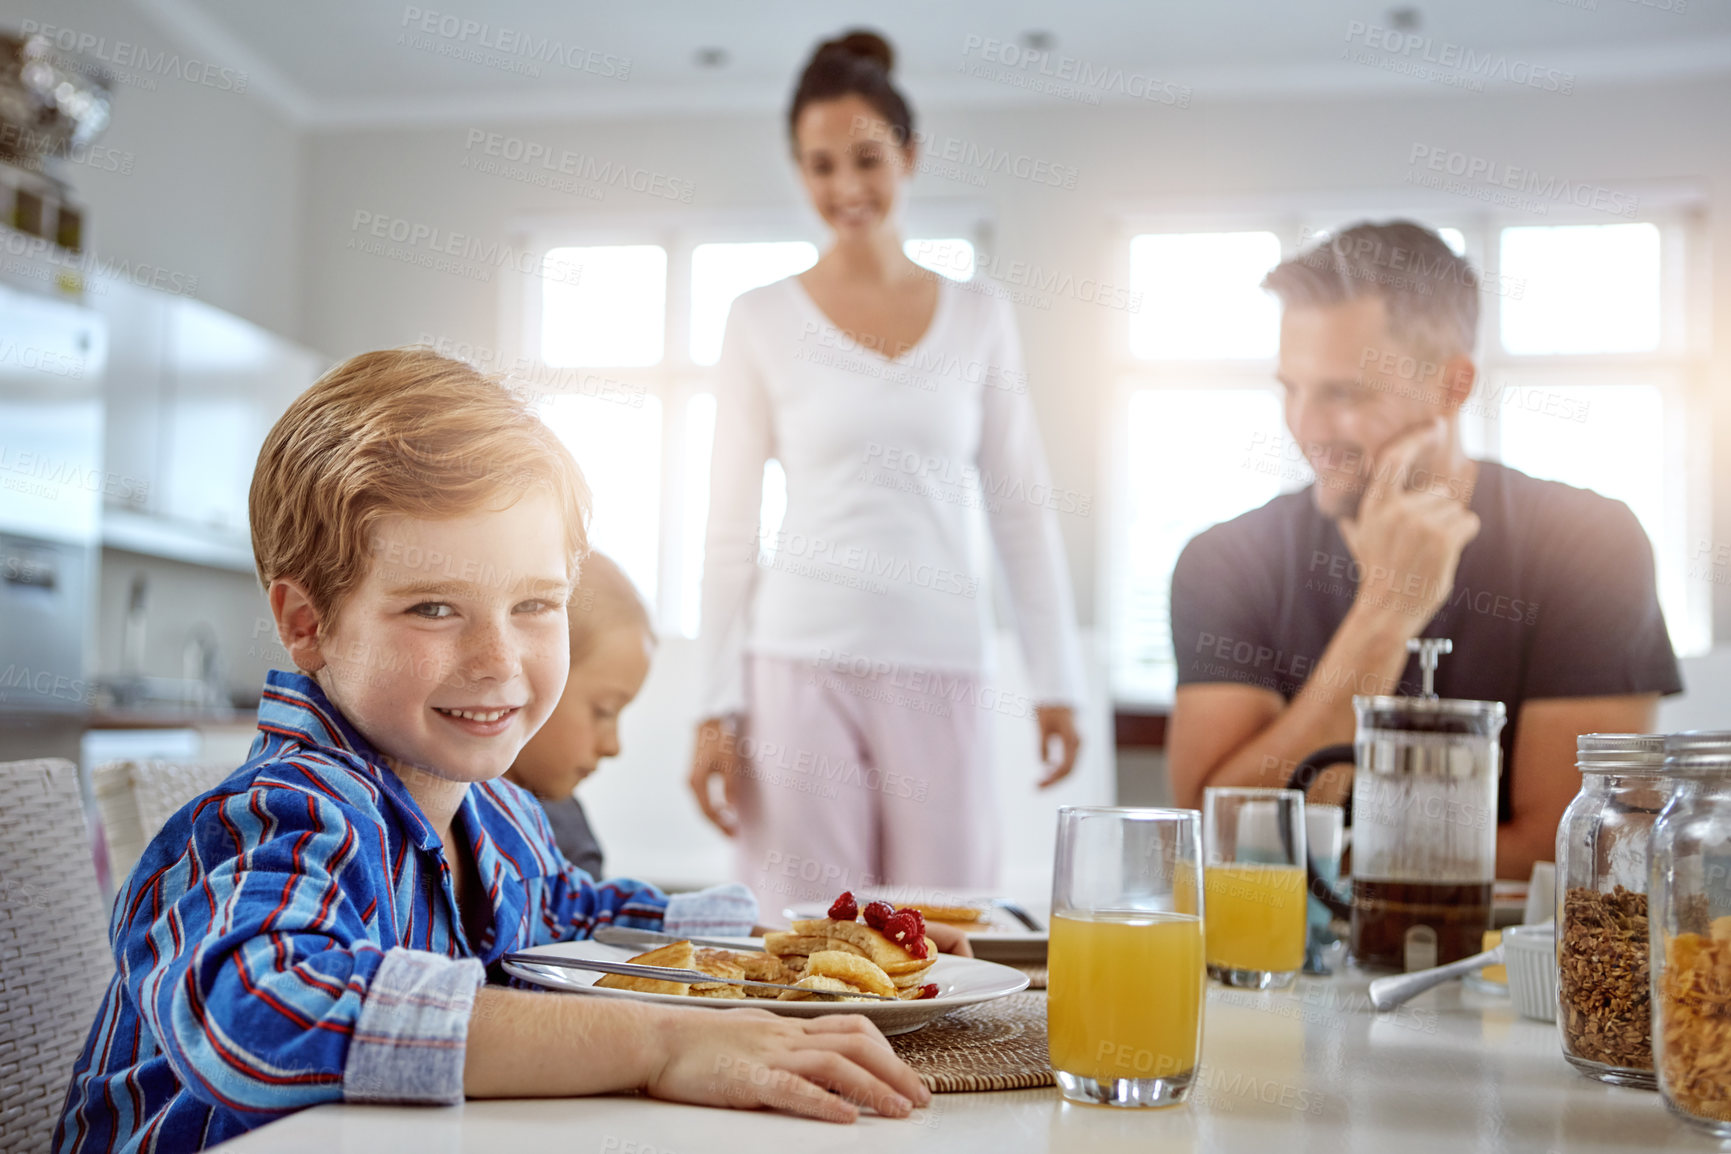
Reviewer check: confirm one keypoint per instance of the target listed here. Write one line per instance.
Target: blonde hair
(604, 599)
(396, 432)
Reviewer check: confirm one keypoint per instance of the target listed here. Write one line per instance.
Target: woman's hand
(1059, 722)
(824, 1068)
(717, 756)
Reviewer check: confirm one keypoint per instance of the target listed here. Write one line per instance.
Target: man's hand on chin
(1407, 540)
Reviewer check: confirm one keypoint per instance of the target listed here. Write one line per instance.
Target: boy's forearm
(527, 1045)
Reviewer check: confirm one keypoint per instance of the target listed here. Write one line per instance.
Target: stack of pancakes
(848, 956)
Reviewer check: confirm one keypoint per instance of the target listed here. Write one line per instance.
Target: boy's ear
(297, 623)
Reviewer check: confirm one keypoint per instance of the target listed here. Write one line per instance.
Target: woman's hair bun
(856, 63)
(862, 44)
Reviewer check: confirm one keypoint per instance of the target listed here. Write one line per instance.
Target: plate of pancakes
(993, 933)
(825, 962)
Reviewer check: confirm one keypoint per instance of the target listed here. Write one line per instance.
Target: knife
(1020, 914)
(624, 936)
(671, 974)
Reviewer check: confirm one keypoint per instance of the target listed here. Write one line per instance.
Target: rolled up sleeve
(409, 1039)
(726, 911)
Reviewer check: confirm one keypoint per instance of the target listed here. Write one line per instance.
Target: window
(623, 333)
(603, 307)
(618, 448)
(1583, 372)
(1203, 433)
(1589, 288)
(720, 272)
(700, 443)
(773, 511)
(1586, 383)
(1202, 297)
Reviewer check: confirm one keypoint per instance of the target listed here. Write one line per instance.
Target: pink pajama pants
(862, 778)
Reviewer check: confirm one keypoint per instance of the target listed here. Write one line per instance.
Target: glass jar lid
(1699, 751)
(1620, 752)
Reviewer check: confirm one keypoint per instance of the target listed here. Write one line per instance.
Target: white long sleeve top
(884, 459)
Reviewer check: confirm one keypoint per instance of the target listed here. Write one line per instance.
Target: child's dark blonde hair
(398, 432)
(604, 599)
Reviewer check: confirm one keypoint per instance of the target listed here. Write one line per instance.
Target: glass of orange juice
(1253, 884)
(1126, 979)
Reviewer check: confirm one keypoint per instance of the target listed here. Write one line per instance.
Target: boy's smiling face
(452, 649)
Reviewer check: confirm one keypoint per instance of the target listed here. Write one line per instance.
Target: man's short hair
(405, 432)
(1430, 294)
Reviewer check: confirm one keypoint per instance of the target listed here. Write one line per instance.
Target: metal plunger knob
(1428, 650)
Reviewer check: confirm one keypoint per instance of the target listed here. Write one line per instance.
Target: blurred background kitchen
(231, 195)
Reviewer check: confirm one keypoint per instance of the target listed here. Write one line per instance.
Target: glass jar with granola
(1604, 1011)
(1690, 888)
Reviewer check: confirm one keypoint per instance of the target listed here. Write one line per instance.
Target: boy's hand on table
(824, 1068)
(716, 755)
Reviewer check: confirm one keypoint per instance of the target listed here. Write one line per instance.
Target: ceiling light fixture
(1405, 18)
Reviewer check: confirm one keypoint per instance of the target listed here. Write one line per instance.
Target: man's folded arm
(1544, 779)
(1226, 728)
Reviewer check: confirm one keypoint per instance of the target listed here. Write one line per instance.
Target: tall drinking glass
(1124, 996)
(1253, 846)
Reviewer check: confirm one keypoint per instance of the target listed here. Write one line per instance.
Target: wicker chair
(54, 958)
(136, 798)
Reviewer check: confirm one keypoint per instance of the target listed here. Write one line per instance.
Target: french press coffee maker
(1424, 822)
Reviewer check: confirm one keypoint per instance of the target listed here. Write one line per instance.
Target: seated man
(1280, 615)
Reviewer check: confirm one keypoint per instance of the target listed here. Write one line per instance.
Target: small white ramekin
(1530, 953)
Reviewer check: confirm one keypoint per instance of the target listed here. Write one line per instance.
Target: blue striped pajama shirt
(292, 937)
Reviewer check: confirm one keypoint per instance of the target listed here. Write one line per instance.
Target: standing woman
(845, 712)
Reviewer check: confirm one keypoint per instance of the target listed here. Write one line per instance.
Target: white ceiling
(331, 63)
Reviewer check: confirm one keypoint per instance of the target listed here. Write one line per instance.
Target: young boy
(612, 640)
(318, 927)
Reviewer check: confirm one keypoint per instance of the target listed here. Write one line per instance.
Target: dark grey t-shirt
(572, 834)
(1554, 598)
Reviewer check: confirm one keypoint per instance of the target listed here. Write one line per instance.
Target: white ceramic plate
(995, 937)
(960, 981)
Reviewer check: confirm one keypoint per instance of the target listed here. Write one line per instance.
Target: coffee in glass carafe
(1424, 823)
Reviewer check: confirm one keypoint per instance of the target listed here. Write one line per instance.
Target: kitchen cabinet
(227, 383)
(191, 394)
(132, 394)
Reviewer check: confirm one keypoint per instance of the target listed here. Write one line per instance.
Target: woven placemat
(1036, 974)
(997, 1045)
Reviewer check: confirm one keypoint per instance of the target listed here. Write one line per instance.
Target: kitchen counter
(137, 717)
(1312, 1069)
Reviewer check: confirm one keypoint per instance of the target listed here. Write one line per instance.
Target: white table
(1312, 1069)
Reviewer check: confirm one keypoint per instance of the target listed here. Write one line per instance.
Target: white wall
(214, 188)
